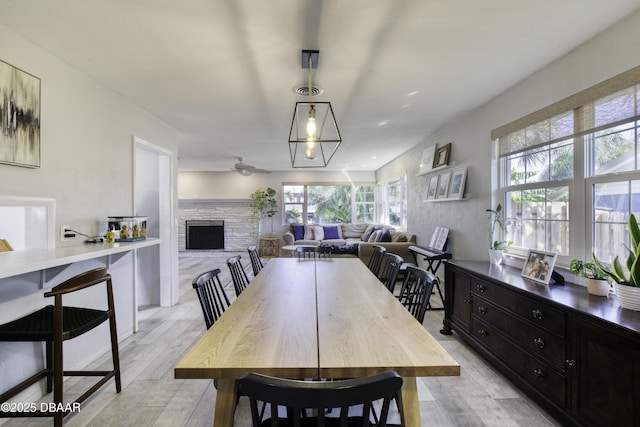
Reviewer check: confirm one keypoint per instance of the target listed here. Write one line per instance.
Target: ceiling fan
(246, 170)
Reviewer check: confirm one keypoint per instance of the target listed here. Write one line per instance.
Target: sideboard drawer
(542, 376)
(538, 313)
(531, 338)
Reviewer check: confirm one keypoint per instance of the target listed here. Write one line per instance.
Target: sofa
(359, 237)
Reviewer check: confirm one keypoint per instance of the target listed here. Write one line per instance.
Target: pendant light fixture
(314, 136)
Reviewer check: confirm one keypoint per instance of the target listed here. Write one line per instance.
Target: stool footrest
(23, 385)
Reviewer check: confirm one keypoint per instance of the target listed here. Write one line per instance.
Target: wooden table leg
(225, 403)
(408, 403)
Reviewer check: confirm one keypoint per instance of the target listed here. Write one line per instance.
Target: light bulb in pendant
(310, 150)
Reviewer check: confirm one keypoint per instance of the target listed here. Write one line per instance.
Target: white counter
(21, 262)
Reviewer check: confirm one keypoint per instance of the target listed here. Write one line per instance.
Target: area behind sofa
(364, 236)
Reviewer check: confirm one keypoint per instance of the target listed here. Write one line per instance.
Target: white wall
(86, 137)
(610, 53)
(87, 162)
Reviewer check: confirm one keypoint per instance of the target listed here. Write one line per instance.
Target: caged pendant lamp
(314, 136)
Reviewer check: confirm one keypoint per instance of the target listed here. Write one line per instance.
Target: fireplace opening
(205, 234)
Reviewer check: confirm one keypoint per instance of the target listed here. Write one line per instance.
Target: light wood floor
(152, 397)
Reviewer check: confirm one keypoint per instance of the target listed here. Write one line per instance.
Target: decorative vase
(598, 287)
(628, 296)
(495, 256)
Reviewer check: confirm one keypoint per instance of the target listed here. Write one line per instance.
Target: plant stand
(269, 247)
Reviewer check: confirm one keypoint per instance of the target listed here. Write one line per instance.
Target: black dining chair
(376, 259)
(389, 269)
(256, 262)
(416, 289)
(213, 299)
(238, 275)
(55, 324)
(306, 252)
(324, 251)
(297, 396)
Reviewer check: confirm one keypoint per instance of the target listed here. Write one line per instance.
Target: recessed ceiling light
(374, 157)
(415, 92)
(383, 122)
(406, 105)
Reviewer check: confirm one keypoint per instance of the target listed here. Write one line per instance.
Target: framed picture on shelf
(426, 163)
(442, 156)
(456, 187)
(433, 187)
(539, 266)
(443, 185)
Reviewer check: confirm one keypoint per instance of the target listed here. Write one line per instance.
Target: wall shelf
(438, 169)
(466, 197)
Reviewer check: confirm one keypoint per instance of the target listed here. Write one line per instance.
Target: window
(573, 178)
(394, 202)
(328, 204)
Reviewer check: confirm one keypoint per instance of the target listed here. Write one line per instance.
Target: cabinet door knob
(539, 373)
(537, 314)
(482, 332)
(539, 342)
(571, 363)
(482, 310)
(481, 288)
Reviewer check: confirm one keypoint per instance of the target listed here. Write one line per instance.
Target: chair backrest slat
(298, 396)
(238, 275)
(306, 251)
(212, 296)
(389, 270)
(256, 262)
(324, 251)
(416, 290)
(376, 259)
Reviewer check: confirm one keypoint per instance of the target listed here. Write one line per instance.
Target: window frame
(305, 201)
(581, 188)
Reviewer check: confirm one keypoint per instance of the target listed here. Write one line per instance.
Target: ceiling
(222, 72)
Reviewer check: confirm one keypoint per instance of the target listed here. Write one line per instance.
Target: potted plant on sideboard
(627, 286)
(497, 220)
(597, 283)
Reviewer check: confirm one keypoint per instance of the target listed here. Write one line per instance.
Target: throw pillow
(297, 231)
(385, 236)
(367, 233)
(352, 231)
(397, 236)
(375, 236)
(308, 232)
(331, 232)
(318, 232)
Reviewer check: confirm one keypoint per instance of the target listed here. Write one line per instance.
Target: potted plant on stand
(265, 205)
(497, 221)
(597, 283)
(627, 286)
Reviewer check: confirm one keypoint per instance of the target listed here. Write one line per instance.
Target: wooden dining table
(315, 318)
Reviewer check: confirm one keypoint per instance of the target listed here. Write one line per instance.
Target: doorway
(153, 197)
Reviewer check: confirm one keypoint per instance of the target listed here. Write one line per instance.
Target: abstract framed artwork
(539, 266)
(19, 117)
(456, 187)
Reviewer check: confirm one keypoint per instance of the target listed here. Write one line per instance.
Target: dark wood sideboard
(576, 355)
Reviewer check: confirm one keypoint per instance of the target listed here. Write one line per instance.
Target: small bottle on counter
(110, 236)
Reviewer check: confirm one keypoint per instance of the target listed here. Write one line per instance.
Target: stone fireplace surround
(240, 227)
